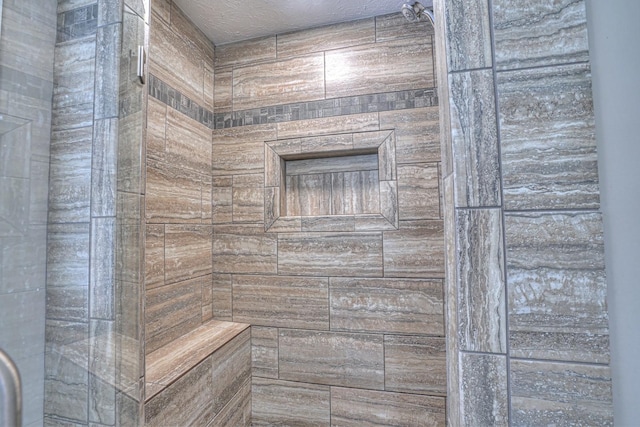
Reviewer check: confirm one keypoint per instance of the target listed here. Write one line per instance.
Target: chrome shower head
(417, 12)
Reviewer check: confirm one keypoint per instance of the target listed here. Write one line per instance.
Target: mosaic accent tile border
(77, 23)
(329, 108)
(178, 101)
(389, 101)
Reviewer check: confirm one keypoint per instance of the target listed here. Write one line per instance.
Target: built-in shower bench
(202, 376)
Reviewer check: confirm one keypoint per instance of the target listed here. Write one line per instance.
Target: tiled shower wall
(346, 311)
(526, 284)
(26, 85)
(91, 371)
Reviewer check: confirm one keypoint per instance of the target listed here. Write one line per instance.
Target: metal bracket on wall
(142, 59)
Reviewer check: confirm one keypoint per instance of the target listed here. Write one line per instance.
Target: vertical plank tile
(483, 397)
(557, 287)
(548, 147)
(264, 352)
(481, 298)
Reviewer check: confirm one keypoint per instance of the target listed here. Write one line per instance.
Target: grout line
(502, 216)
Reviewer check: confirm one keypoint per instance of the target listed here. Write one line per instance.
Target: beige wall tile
(246, 252)
(264, 352)
(186, 402)
(366, 408)
(187, 251)
(223, 91)
(173, 194)
(330, 254)
(326, 38)
(354, 360)
(188, 143)
(156, 125)
(280, 301)
(387, 305)
(419, 191)
(221, 295)
(245, 52)
(415, 364)
(390, 66)
(277, 402)
(222, 199)
(171, 311)
(240, 150)
(416, 250)
(154, 256)
(282, 82)
(395, 26)
(174, 61)
(231, 368)
(237, 412)
(314, 127)
(417, 134)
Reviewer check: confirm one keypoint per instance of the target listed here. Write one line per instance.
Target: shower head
(417, 12)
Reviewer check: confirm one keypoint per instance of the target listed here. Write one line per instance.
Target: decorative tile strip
(389, 101)
(178, 101)
(77, 23)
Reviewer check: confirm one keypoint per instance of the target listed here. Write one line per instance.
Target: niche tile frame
(277, 152)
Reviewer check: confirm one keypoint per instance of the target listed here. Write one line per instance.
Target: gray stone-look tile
(264, 352)
(102, 372)
(108, 49)
(245, 249)
(469, 34)
(557, 289)
(330, 254)
(70, 175)
(326, 38)
(483, 391)
(481, 286)
(238, 411)
(394, 26)
(280, 301)
(366, 408)
(332, 358)
(102, 268)
(68, 270)
(392, 65)
(532, 34)
(104, 168)
(562, 394)
(418, 191)
(276, 402)
(387, 305)
(474, 139)
(415, 364)
(548, 146)
(185, 402)
(109, 12)
(415, 250)
(231, 368)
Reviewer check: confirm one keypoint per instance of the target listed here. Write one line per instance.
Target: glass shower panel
(130, 214)
(27, 38)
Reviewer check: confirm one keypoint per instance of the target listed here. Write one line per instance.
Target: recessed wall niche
(342, 182)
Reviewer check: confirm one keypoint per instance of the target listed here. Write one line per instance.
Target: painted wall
(26, 86)
(616, 93)
(525, 260)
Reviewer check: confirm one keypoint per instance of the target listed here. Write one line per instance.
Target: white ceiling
(230, 21)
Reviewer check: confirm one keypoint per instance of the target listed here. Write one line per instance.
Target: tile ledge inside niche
(170, 362)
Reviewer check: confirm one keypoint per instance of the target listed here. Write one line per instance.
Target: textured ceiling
(230, 21)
